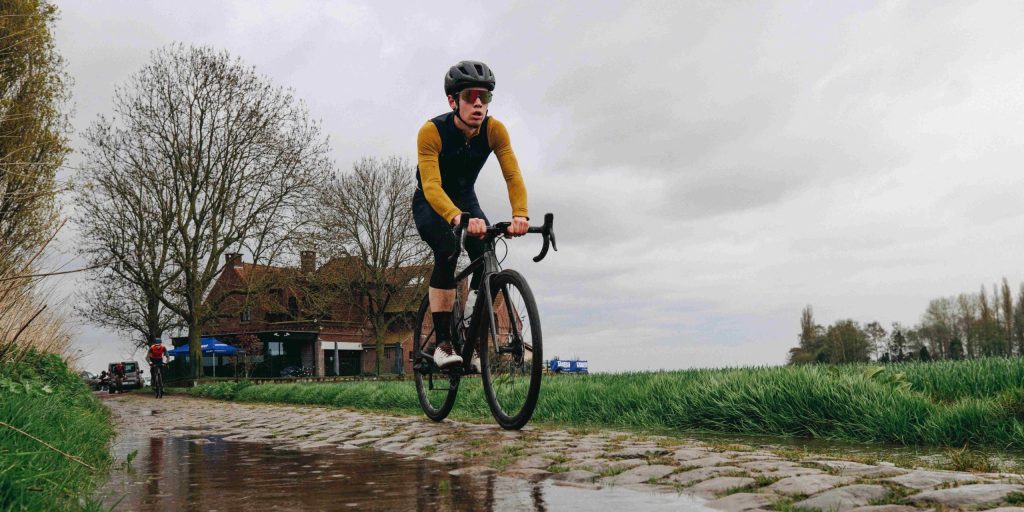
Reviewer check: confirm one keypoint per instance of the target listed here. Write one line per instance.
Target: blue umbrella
(209, 345)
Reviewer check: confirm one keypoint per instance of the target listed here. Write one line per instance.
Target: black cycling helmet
(468, 73)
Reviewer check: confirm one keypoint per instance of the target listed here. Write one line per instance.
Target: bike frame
(154, 369)
(491, 266)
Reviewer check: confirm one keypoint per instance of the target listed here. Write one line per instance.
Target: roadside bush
(1011, 402)
(42, 398)
(221, 390)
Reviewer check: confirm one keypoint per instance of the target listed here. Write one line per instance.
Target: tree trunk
(380, 350)
(195, 351)
(155, 331)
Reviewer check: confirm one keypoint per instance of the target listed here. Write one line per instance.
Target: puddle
(210, 474)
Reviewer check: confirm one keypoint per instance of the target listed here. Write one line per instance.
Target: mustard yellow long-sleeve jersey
(448, 164)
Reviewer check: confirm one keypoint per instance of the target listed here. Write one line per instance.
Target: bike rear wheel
(512, 374)
(436, 391)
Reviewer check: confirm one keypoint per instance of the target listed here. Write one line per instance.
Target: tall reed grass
(54, 434)
(977, 403)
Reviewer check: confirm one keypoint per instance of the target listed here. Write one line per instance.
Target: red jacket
(156, 352)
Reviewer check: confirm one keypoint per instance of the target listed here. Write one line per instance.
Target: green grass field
(978, 403)
(41, 397)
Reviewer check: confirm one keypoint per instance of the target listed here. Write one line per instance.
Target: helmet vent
(468, 73)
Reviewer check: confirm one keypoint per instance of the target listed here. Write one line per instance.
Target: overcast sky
(713, 167)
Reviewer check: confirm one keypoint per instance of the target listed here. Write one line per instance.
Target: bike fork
(490, 314)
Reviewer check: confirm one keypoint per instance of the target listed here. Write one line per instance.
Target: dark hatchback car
(92, 380)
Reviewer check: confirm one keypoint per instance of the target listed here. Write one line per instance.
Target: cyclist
(118, 377)
(155, 356)
(451, 150)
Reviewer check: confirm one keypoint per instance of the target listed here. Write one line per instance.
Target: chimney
(307, 261)
(233, 258)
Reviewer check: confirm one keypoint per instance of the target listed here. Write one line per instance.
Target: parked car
(132, 375)
(90, 379)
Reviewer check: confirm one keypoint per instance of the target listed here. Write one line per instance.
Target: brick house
(312, 316)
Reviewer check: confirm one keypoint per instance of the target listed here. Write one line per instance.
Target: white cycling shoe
(445, 357)
(474, 363)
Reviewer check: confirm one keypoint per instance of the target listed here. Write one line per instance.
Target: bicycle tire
(158, 381)
(436, 403)
(511, 400)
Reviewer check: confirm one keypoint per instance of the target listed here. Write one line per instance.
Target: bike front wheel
(436, 391)
(511, 351)
(158, 381)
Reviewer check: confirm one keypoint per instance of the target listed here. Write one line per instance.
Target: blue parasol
(210, 345)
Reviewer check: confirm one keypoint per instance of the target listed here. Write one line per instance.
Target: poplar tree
(33, 129)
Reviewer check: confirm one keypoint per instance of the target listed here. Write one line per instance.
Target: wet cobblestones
(731, 479)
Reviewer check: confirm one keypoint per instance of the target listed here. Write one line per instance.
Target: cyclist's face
(471, 113)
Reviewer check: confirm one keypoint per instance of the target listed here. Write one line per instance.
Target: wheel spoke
(436, 391)
(511, 375)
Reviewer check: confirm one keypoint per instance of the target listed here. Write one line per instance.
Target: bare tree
(1006, 303)
(967, 308)
(126, 238)
(990, 338)
(877, 336)
(1018, 320)
(366, 214)
(230, 158)
(251, 352)
(937, 326)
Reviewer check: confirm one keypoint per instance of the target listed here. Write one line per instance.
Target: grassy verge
(977, 403)
(40, 397)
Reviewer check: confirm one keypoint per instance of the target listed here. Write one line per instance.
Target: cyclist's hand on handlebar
(519, 227)
(477, 228)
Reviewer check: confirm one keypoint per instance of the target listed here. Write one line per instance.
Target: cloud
(712, 167)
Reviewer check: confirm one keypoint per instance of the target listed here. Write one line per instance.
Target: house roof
(338, 269)
(406, 300)
(247, 271)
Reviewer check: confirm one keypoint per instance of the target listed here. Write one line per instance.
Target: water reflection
(209, 474)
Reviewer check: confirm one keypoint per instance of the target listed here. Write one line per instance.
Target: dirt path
(732, 478)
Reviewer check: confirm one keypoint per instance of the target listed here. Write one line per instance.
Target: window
(245, 316)
(275, 348)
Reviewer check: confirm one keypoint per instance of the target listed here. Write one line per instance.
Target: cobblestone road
(729, 478)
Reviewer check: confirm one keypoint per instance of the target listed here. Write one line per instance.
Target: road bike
(504, 328)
